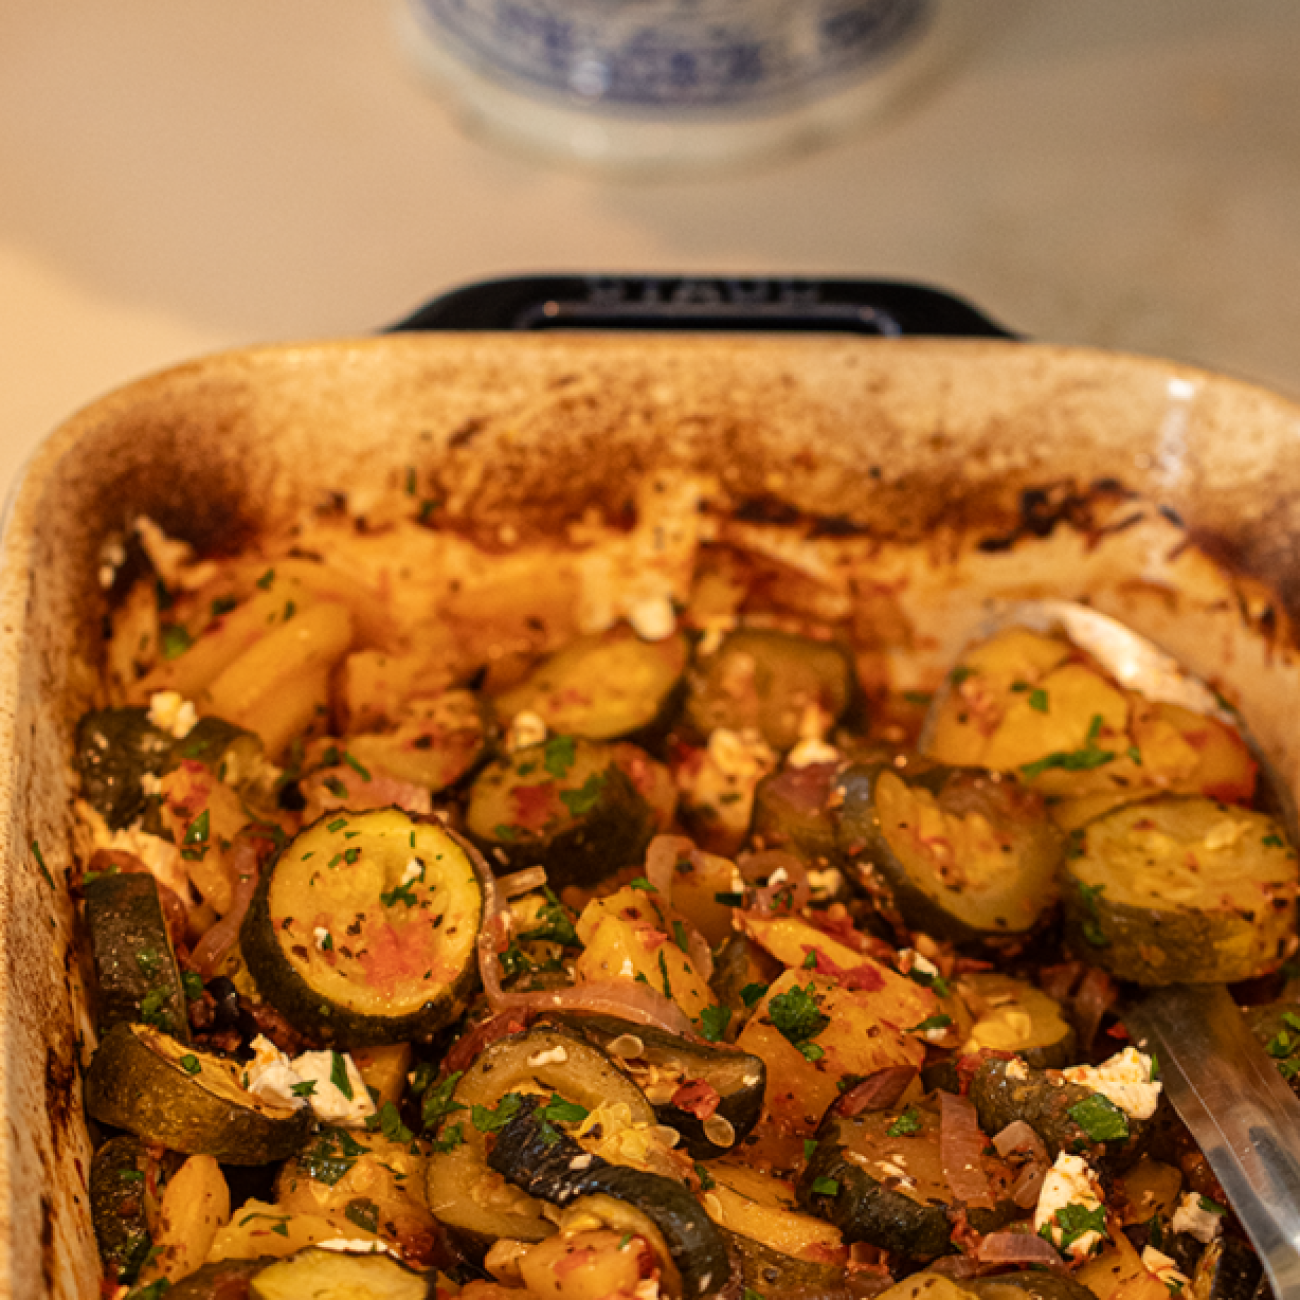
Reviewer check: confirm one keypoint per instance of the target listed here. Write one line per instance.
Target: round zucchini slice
(602, 686)
(123, 1178)
(1181, 890)
(792, 811)
(189, 1100)
(462, 1191)
(364, 929)
(1012, 1015)
(339, 1275)
(965, 854)
(1030, 1284)
(879, 1178)
(116, 749)
(136, 977)
(775, 683)
(775, 1276)
(566, 804)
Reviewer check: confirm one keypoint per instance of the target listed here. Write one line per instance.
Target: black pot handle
(890, 308)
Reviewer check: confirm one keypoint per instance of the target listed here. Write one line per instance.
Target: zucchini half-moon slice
(964, 854)
(340, 1275)
(1181, 890)
(364, 929)
(189, 1100)
(463, 1194)
(545, 1163)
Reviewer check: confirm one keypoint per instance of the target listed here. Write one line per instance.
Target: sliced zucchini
(186, 1099)
(438, 741)
(542, 1161)
(117, 750)
(1012, 1015)
(1068, 1116)
(964, 854)
(1227, 1270)
(712, 1117)
(602, 686)
(741, 973)
(775, 683)
(339, 1275)
(1036, 1283)
(136, 976)
(1276, 1025)
(462, 1192)
(228, 1279)
(123, 1179)
(879, 1178)
(774, 1276)
(364, 929)
(566, 804)
(792, 811)
(1181, 889)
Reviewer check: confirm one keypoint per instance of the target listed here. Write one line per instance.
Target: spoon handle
(1240, 1110)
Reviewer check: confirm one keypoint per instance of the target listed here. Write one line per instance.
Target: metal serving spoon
(1220, 1080)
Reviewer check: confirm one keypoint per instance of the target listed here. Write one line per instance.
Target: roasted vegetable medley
(458, 936)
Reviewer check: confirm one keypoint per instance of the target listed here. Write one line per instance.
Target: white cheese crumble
(1160, 1265)
(414, 870)
(1192, 1216)
(322, 937)
(272, 1077)
(1125, 1081)
(911, 960)
(526, 729)
(550, 1056)
(169, 711)
(808, 753)
(822, 883)
(743, 755)
(627, 971)
(652, 618)
(150, 783)
(1017, 1070)
(1069, 1182)
(161, 856)
(357, 1246)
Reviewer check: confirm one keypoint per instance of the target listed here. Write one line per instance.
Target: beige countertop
(177, 178)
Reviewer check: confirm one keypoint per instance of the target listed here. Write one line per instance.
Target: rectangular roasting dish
(912, 478)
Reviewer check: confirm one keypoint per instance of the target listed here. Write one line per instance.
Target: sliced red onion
(245, 866)
(1017, 1248)
(661, 860)
(878, 1091)
(522, 882)
(961, 1151)
(1029, 1183)
(1018, 1136)
(1097, 994)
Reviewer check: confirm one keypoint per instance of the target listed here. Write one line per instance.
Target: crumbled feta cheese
(739, 754)
(550, 1056)
(627, 971)
(581, 1162)
(150, 783)
(778, 878)
(526, 729)
(648, 1287)
(169, 711)
(823, 883)
(1192, 1216)
(1069, 1182)
(808, 753)
(1125, 1080)
(272, 1076)
(1159, 1264)
(322, 937)
(1017, 1070)
(414, 870)
(912, 960)
(652, 618)
(358, 1246)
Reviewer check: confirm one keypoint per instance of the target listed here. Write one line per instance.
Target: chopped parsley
(174, 640)
(798, 1018)
(714, 1022)
(1074, 760)
(1091, 926)
(1273, 842)
(266, 580)
(559, 756)
(190, 1064)
(554, 923)
(487, 1120)
(334, 1154)
(707, 1182)
(151, 1010)
(40, 862)
(679, 937)
(364, 1213)
(581, 801)
(730, 899)
(643, 885)
(1038, 700)
(192, 983)
(1074, 1221)
(939, 1021)
(451, 1137)
(389, 1122)
(907, 1123)
(826, 1186)
(1100, 1118)
(304, 1089)
(356, 765)
(399, 894)
(752, 994)
(438, 1101)
(339, 1074)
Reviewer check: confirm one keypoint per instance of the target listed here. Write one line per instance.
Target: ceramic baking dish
(915, 477)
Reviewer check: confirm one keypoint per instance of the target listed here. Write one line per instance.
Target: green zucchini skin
(577, 814)
(866, 1208)
(1228, 1269)
(775, 1276)
(115, 749)
(1001, 1097)
(554, 1057)
(227, 1280)
(555, 1168)
(793, 811)
(1121, 869)
(1050, 1041)
(739, 1078)
(269, 946)
(136, 976)
(603, 686)
(764, 680)
(1034, 1284)
(118, 1175)
(1276, 1027)
(135, 1082)
(332, 1273)
(874, 846)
